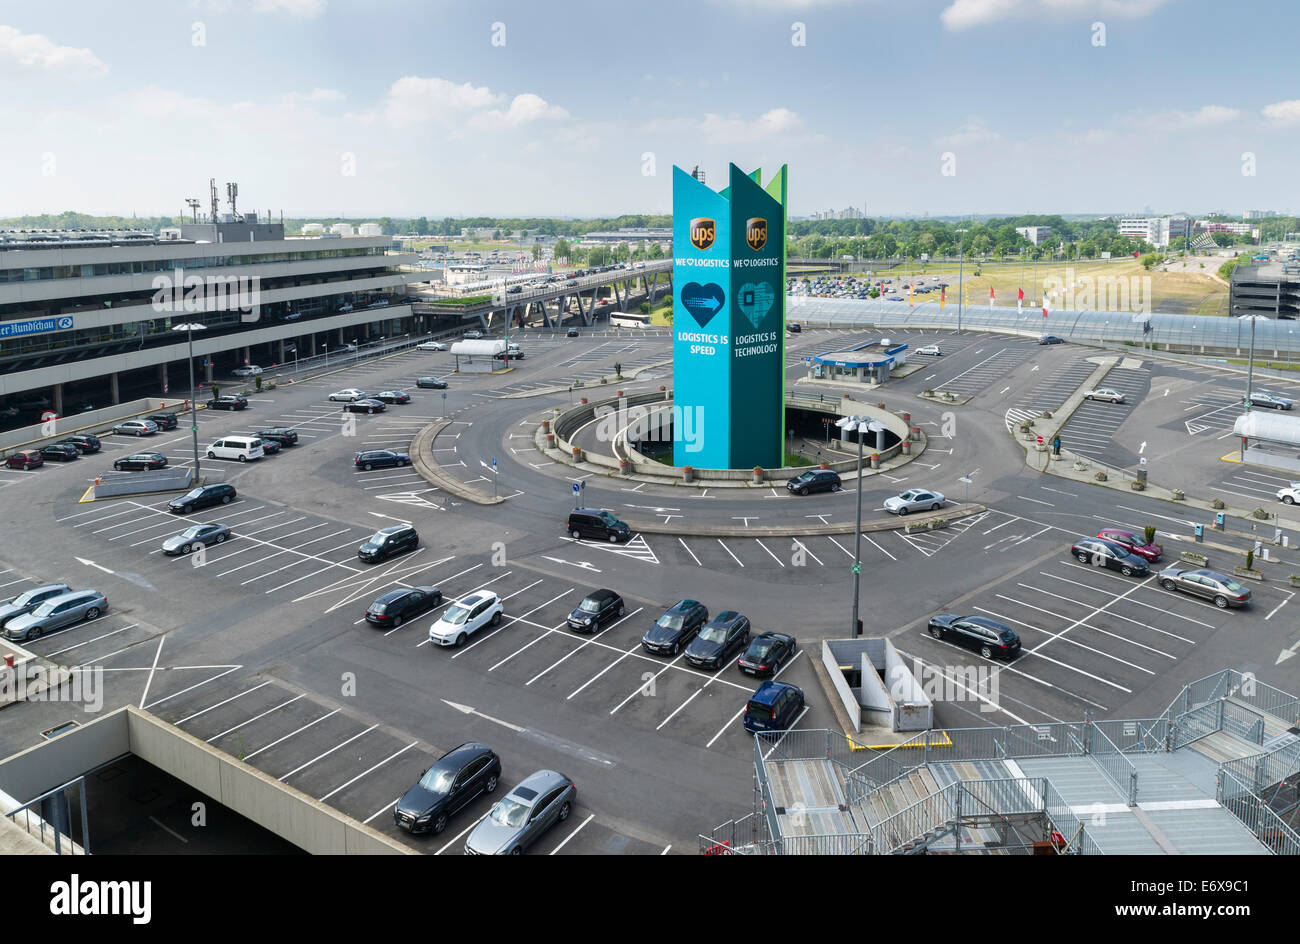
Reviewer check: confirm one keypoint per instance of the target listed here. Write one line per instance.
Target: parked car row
(48, 608)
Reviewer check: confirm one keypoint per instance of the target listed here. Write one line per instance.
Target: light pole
(189, 330)
(860, 425)
(961, 265)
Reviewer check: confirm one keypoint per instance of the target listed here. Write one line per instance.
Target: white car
(252, 370)
(930, 349)
(914, 499)
(348, 395)
(1104, 393)
(431, 346)
(474, 335)
(466, 616)
(1289, 495)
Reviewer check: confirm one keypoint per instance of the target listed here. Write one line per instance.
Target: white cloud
(524, 109)
(415, 98)
(964, 14)
(972, 132)
(1283, 113)
(730, 128)
(307, 9)
(1203, 117)
(32, 51)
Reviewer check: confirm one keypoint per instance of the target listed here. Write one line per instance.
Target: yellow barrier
(931, 742)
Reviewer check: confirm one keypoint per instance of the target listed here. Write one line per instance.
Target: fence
(1256, 815)
(1111, 761)
(48, 818)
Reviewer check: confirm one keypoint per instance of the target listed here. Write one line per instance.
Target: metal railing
(1256, 815)
(34, 818)
(1268, 768)
(1143, 736)
(935, 812)
(1112, 762)
(1060, 815)
(1241, 721)
(1195, 724)
(734, 836)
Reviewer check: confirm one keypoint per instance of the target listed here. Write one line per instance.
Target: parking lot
(1093, 429)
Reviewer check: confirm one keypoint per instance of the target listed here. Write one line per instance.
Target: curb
(951, 513)
(547, 391)
(429, 469)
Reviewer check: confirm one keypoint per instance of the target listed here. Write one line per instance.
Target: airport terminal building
(87, 319)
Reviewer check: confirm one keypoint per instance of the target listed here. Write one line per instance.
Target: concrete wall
(46, 765)
(913, 710)
(846, 696)
(92, 421)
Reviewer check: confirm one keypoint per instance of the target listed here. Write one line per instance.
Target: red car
(26, 459)
(1132, 543)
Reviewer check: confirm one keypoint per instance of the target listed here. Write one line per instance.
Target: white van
(242, 448)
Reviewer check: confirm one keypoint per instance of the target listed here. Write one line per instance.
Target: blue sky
(334, 107)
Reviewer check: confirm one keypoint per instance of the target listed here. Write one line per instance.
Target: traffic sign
(577, 487)
(856, 568)
(1040, 440)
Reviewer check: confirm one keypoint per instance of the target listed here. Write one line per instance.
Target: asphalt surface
(260, 647)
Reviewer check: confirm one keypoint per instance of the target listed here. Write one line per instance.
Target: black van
(598, 524)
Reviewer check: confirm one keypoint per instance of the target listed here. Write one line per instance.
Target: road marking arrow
(90, 563)
(583, 564)
(467, 710)
(1287, 653)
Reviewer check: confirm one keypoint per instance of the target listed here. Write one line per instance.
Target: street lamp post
(961, 265)
(189, 330)
(861, 425)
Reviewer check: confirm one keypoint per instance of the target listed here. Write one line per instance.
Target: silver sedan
(520, 817)
(914, 499)
(201, 535)
(56, 613)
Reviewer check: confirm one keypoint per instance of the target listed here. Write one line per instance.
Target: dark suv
(281, 434)
(814, 480)
(380, 459)
(773, 707)
(598, 524)
(596, 607)
(397, 606)
(458, 776)
(678, 626)
(726, 633)
(384, 543)
(85, 442)
(164, 420)
(205, 496)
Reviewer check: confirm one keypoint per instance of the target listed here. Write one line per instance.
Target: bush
(1250, 558)
(1149, 534)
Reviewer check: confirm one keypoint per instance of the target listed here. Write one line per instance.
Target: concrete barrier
(117, 484)
(92, 421)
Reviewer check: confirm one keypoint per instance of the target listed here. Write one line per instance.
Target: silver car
(191, 538)
(1108, 394)
(519, 818)
(29, 600)
(136, 428)
(914, 499)
(56, 613)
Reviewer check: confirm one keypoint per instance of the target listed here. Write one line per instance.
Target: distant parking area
(1092, 429)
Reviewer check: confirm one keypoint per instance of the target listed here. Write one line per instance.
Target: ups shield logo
(756, 233)
(703, 231)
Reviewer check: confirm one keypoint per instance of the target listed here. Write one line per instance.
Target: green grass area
(661, 313)
(1270, 365)
(796, 458)
(466, 301)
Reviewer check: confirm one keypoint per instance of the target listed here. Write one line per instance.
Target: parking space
(977, 367)
(1054, 390)
(1091, 430)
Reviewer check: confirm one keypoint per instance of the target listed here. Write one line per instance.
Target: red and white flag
(1044, 306)
(1020, 299)
(990, 297)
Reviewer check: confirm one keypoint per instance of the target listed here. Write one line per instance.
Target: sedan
(914, 499)
(140, 462)
(250, 370)
(395, 607)
(1101, 553)
(60, 452)
(597, 607)
(989, 638)
(136, 428)
(393, 396)
(25, 460)
(1132, 543)
(473, 335)
(165, 421)
(931, 350)
(365, 405)
(1269, 401)
(1224, 591)
(726, 633)
(280, 434)
(432, 383)
(455, 779)
(380, 459)
(767, 653)
(270, 447)
(348, 395)
(1050, 339)
(465, 617)
(571, 333)
(201, 535)
(1109, 394)
(56, 613)
(895, 298)
(520, 817)
(29, 600)
(229, 401)
(431, 346)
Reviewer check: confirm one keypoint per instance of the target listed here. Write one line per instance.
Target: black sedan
(767, 653)
(281, 434)
(1051, 339)
(726, 633)
(431, 383)
(597, 607)
(380, 459)
(368, 405)
(270, 447)
(140, 462)
(397, 606)
(458, 777)
(1109, 554)
(678, 626)
(393, 396)
(989, 638)
(231, 401)
(1270, 401)
(60, 452)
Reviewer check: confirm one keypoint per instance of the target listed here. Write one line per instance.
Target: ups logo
(756, 233)
(703, 230)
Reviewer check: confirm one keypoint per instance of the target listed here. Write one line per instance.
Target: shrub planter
(907, 447)
(916, 434)
(1247, 573)
(1177, 494)
(758, 475)
(550, 440)
(937, 524)
(915, 527)
(880, 406)
(875, 460)
(688, 473)
(1194, 558)
(1080, 465)
(663, 389)
(624, 466)
(1137, 486)
(577, 453)
(1100, 476)
(1294, 580)
(1260, 513)
(582, 401)
(1216, 504)
(620, 393)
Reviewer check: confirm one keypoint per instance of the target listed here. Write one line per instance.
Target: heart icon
(756, 300)
(703, 301)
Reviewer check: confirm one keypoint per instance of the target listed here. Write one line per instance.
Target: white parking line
(572, 834)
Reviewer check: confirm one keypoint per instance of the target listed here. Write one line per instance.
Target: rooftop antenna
(232, 194)
(193, 204)
(212, 193)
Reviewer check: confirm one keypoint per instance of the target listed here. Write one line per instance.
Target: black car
(380, 459)
(598, 524)
(596, 607)
(678, 626)
(163, 420)
(511, 355)
(1051, 339)
(767, 653)
(794, 327)
(60, 452)
(393, 396)
(229, 401)
(431, 383)
(726, 633)
(571, 333)
(140, 462)
(814, 480)
(281, 434)
(368, 405)
(205, 496)
(458, 776)
(270, 447)
(85, 442)
(397, 606)
(991, 639)
(386, 542)
(1102, 553)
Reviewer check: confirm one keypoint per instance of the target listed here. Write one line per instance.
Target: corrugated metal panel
(1206, 832)
(1077, 779)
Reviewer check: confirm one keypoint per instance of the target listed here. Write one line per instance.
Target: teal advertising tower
(729, 322)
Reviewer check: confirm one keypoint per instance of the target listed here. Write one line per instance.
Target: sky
(579, 109)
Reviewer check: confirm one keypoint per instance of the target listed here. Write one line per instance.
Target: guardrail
(29, 817)
(1256, 815)
(1112, 762)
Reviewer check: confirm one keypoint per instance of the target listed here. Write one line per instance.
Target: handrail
(1115, 765)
